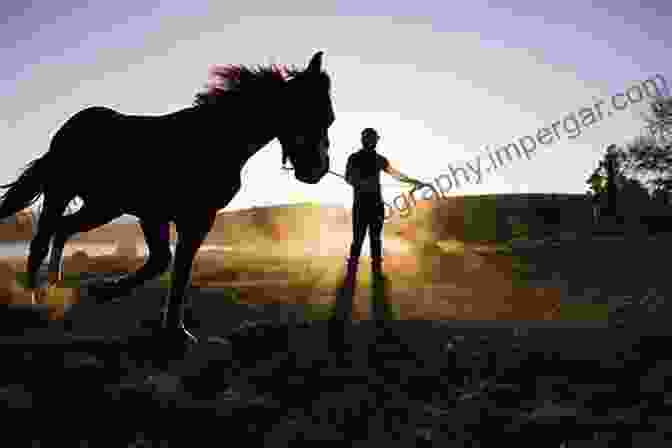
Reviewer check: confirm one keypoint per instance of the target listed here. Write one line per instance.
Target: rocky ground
(276, 378)
(274, 386)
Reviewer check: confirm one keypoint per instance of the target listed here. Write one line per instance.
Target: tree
(659, 125)
(651, 162)
(633, 197)
(632, 194)
(650, 155)
(597, 181)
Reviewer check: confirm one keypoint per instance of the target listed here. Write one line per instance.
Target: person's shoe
(377, 266)
(345, 293)
(380, 308)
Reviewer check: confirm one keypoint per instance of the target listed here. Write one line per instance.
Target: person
(595, 199)
(368, 212)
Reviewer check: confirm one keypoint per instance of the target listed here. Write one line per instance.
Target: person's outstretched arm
(400, 176)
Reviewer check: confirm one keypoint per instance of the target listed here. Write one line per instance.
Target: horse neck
(257, 128)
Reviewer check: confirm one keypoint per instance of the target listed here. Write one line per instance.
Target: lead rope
(415, 187)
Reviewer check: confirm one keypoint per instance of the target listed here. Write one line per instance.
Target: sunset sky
(439, 84)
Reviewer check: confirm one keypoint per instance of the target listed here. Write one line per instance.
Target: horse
(181, 167)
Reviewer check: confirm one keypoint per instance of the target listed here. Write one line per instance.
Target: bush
(9, 287)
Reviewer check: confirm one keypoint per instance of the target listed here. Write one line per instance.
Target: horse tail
(27, 189)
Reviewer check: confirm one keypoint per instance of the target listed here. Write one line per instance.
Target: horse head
(307, 116)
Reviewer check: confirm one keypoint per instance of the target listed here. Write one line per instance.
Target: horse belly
(117, 194)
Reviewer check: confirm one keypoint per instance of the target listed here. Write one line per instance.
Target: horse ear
(315, 63)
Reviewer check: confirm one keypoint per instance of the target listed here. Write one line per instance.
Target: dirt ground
(449, 281)
(464, 286)
(427, 383)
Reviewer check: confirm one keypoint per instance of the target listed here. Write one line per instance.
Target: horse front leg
(39, 247)
(55, 273)
(191, 234)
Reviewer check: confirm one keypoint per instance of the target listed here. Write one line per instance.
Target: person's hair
(369, 131)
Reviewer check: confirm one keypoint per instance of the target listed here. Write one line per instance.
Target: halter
(291, 168)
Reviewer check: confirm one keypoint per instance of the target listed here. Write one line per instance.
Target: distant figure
(612, 172)
(368, 211)
(596, 199)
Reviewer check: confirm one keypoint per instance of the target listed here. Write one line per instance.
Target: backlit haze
(439, 84)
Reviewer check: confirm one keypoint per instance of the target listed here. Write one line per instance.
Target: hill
(464, 218)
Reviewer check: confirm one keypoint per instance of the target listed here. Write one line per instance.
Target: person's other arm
(351, 173)
(353, 177)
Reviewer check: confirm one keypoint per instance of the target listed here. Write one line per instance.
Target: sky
(441, 85)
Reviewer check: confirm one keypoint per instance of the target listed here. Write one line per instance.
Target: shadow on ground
(265, 373)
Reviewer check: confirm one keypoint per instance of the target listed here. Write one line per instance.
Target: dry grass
(451, 281)
(10, 291)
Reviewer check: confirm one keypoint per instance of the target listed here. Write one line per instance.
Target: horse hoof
(179, 336)
(39, 296)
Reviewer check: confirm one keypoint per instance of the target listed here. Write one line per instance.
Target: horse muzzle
(314, 175)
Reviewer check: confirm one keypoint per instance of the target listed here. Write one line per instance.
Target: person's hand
(410, 180)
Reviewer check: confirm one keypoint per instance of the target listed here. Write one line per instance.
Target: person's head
(369, 138)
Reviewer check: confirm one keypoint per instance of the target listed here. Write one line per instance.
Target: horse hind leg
(85, 219)
(39, 246)
(157, 238)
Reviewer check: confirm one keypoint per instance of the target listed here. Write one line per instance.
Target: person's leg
(358, 229)
(380, 308)
(377, 215)
(345, 293)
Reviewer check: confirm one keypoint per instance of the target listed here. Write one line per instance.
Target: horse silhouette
(181, 167)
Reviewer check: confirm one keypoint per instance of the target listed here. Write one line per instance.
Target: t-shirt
(364, 164)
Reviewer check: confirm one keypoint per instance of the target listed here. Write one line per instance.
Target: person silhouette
(368, 212)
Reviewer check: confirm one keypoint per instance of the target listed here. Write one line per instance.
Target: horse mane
(225, 81)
